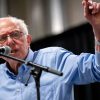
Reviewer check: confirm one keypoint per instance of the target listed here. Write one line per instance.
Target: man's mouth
(14, 51)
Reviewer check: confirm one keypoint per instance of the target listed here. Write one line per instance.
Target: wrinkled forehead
(6, 25)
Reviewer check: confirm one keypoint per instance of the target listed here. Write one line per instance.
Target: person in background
(77, 69)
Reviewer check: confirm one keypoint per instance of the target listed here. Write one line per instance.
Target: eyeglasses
(13, 35)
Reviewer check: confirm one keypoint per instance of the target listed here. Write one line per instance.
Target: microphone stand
(35, 72)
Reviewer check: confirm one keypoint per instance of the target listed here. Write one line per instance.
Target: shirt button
(19, 78)
(18, 90)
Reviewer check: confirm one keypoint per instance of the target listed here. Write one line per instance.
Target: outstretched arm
(92, 14)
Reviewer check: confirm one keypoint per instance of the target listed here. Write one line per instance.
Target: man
(77, 69)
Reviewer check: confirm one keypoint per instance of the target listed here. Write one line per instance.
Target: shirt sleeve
(78, 69)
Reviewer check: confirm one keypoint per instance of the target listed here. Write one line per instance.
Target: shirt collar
(23, 67)
(30, 56)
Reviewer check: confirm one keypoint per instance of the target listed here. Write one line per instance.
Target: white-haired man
(77, 69)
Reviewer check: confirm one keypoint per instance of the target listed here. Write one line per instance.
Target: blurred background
(56, 23)
(45, 17)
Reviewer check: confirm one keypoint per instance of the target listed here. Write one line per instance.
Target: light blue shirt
(77, 69)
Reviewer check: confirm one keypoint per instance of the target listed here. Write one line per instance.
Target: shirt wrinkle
(52, 87)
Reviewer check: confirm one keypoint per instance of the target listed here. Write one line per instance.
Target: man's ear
(29, 39)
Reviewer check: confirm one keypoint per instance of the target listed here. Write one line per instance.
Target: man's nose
(9, 40)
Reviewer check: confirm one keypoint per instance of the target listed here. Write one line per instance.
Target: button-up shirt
(77, 69)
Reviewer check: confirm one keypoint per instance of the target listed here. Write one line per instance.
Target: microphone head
(7, 50)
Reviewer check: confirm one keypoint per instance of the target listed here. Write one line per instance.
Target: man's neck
(13, 66)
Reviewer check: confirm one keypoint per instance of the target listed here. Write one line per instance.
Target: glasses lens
(15, 35)
(3, 38)
(12, 35)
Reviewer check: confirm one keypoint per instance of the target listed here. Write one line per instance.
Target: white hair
(20, 23)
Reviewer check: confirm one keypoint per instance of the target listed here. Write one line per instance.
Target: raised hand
(92, 14)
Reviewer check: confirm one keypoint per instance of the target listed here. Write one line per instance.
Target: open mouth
(14, 51)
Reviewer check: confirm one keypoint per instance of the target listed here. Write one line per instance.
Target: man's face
(12, 36)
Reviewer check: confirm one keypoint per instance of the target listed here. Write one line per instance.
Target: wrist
(97, 41)
(97, 45)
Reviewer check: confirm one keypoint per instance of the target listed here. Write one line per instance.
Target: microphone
(5, 50)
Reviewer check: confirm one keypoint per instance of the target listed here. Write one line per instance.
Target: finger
(95, 8)
(86, 7)
(90, 3)
(98, 7)
(88, 0)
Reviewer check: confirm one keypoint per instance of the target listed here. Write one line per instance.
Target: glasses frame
(12, 35)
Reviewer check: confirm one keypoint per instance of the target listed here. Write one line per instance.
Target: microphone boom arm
(44, 68)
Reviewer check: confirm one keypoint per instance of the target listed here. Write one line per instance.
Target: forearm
(97, 38)
(97, 48)
(97, 51)
(97, 45)
(96, 31)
